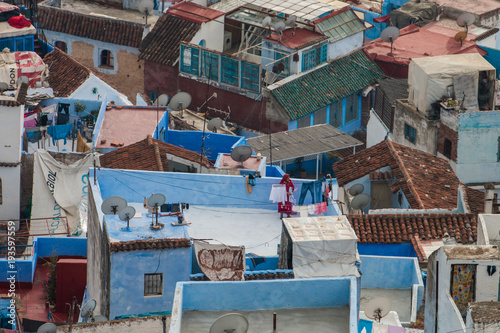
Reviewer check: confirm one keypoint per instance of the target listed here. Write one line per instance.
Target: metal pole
(317, 166)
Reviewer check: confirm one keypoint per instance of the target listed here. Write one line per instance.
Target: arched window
(203, 43)
(62, 46)
(107, 59)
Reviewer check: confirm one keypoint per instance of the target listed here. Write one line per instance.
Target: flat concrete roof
(6, 31)
(226, 162)
(127, 125)
(472, 252)
(259, 230)
(401, 300)
(287, 320)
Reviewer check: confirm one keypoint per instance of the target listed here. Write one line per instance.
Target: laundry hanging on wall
(463, 286)
(220, 262)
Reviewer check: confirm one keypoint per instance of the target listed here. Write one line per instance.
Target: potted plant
(80, 107)
(50, 284)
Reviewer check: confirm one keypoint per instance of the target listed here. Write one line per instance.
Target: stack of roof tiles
(151, 244)
(20, 99)
(254, 275)
(397, 229)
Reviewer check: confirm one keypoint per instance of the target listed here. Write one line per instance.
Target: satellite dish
(23, 79)
(113, 204)
(99, 318)
(389, 35)
(280, 26)
(460, 37)
(146, 8)
(378, 308)
(214, 124)
(291, 21)
(230, 323)
(266, 22)
(356, 189)
(87, 310)
(47, 328)
(465, 20)
(156, 200)
(360, 201)
(4, 86)
(180, 101)
(241, 153)
(162, 100)
(125, 214)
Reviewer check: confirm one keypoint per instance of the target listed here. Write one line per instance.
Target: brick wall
(444, 132)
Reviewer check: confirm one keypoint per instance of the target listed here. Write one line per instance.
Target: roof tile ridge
(406, 175)
(465, 196)
(158, 156)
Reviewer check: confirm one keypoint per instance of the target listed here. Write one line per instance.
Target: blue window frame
(250, 76)
(190, 60)
(17, 44)
(410, 133)
(229, 71)
(336, 114)
(314, 57)
(210, 63)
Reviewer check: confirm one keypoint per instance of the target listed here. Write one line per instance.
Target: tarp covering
(221, 262)
(14, 65)
(60, 190)
(414, 12)
(431, 78)
(322, 246)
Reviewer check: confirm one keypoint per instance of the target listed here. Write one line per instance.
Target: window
(320, 116)
(107, 59)
(62, 46)
(153, 284)
(314, 57)
(351, 110)
(410, 133)
(229, 71)
(304, 121)
(210, 65)
(447, 148)
(336, 114)
(283, 57)
(250, 76)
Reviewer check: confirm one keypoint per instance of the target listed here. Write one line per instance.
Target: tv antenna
(389, 35)
(180, 102)
(146, 8)
(230, 323)
(378, 308)
(360, 201)
(465, 20)
(155, 201)
(356, 189)
(279, 27)
(214, 124)
(47, 328)
(126, 214)
(87, 310)
(460, 36)
(241, 154)
(291, 22)
(113, 204)
(267, 21)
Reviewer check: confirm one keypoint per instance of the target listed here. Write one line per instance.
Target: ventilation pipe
(488, 198)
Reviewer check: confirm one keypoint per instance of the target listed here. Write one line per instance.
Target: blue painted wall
(98, 123)
(127, 279)
(266, 294)
(389, 272)
(161, 130)
(374, 32)
(493, 57)
(195, 189)
(91, 105)
(271, 263)
(396, 250)
(389, 5)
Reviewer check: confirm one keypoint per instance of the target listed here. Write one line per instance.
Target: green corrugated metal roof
(326, 85)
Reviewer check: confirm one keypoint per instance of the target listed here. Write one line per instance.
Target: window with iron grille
(336, 114)
(351, 110)
(153, 284)
(320, 116)
(410, 133)
(304, 121)
(314, 57)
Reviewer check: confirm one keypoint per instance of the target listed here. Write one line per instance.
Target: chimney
(488, 198)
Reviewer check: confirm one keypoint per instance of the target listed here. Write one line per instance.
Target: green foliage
(50, 285)
(80, 107)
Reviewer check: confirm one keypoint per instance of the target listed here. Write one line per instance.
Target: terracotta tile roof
(65, 73)
(194, 12)
(162, 44)
(86, 26)
(475, 200)
(148, 154)
(401, 228)
(19, 99)
(486, 34)
(150, 244)
(255, 275)
(426, 180)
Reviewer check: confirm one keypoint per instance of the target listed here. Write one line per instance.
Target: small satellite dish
(241, 153)
(230, 323)
(460, 37)
(266, 22)
(356, 189)
(180, 101)
(87, 310)
(465, 20)
(47, 328)
(156, 200)
(378, 308)
(99, 318)
(162, 100)
(23, 79)
(360, 201)
(291, 21)
(146, 8)
(280, 26)
(4, 86)
(113, 204)
(125, 214)
(214, 124)
(389, 35)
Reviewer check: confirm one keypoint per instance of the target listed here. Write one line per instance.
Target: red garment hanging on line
(19, 22)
